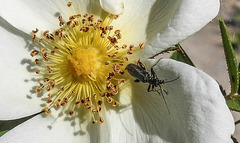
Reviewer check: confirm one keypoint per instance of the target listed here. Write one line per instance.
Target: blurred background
(206, 50)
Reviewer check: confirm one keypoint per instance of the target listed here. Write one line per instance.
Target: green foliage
(3, 132)
(234, 103)
(181, 55)
(7, 125)
(230, 58)
(168, 50)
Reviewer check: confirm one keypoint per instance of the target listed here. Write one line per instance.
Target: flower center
(83, 61)
(81, 64)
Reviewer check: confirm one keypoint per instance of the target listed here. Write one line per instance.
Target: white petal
(41, 129)
(198, 112)
(27, 15)
(16, 79)
(58, 128)
(189, 18)
(163, 23)
(112, 6)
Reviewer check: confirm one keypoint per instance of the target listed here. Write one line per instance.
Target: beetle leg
(141, 65)
(171, 80)
(161, 93)
(153, 74)
(149, 86)
(156, 62)
(165, 91)
(136, 80)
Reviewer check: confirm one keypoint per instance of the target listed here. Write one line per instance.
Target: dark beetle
(139, 72)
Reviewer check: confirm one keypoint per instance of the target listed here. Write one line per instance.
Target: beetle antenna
(156, 62)
(171, 80)
(161, 93)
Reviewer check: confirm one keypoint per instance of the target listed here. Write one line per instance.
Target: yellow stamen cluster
(81, 64)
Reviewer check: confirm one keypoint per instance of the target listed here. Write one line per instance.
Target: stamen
(69, 4)
(34, 53)
(35, 31)
(81, 64)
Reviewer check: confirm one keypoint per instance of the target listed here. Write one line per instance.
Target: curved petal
(198, 112)
(112, 6)
(163, 23)
(28, 15)
(190, 17)
(17, 99)
(41, 129)
(58, 128)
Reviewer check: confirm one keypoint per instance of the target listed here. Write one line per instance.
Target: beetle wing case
(137, 72)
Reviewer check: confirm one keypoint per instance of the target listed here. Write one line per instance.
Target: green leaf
(230, 58)
(181, 55)
(168, 50)
(7, 125)
(3, 132)
(233, 103)
(234, 139)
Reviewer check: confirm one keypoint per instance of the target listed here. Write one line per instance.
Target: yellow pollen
(83, 61)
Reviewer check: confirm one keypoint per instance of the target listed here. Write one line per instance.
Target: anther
(107, 62)
(113, 16)
(88, 98)
(45, 33)
(121, 81)
(48, 88)
(52, 52)
(37, 71)
(114, 90)
(61, 88)
(49, 95)
(34, 53)
(52, 83)
(73, 92)
(69, 4)
(77, 102)
(82, 101)
(34, 38)
(120, 72)
(94, 121)
(125, 58)
(117, 31)
(38, 90)
(109, 100)
(35, 31)
(46, 111)
(49, 101)
(41, 85)
(49, 69)
(131, 47)
(124, 46)
(99, 102)
(129, 53)
(36, 61)
(40, 40)
(45, 79)
(141, 45)
(94, 110)
(85, 15)
(114, 103)
(101, 120)
(71, 113)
